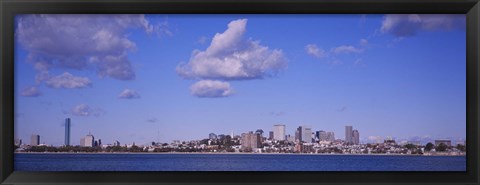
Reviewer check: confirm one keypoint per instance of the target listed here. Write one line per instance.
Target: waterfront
(241, 162)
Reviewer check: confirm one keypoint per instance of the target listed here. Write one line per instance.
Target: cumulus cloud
(232, 57)
(211, 89)
(409, 25)
(66, 81)
(81, 42)
(85, 111)
(31, 92)
(314, 50)
(129, 94)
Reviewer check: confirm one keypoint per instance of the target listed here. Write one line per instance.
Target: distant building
(35, 140)
(250, 140)
(321, 135)
(67, 131)
(270, 135)
(279, 132)
(259, 131)
(89, 140)
(212, 136)
(18, 142)
(99, 142)
(116, 143)
(330, 136)
(82, 141)
(355, 137)
(444, 141)
(348, 134)
(304, 134)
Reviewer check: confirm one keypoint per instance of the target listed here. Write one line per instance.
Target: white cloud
(129, 94)
(403, 25)
(211, 89)
(85, 110)
(346, 49)
(363, 42)
(314, 50)
(66, 81)
(82, 42)
(31, 92)
(232, 57)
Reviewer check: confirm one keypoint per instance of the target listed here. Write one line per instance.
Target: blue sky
(134, 78)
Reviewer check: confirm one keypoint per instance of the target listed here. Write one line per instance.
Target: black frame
(9, 8)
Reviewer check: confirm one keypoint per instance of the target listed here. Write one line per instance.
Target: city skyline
(142, 78)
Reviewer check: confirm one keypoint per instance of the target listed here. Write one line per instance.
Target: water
(234, 162)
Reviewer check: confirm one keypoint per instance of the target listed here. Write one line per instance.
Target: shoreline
(232, 153)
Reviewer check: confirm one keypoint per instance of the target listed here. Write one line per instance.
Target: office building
(348, 134)
(82, 141)
(330, 136)
(270, 135)
(250, 140)
(321, 135)
(35, 140)
(279, 132)
(67, 131)
(355, 137)
(304, 134)
(89, 140)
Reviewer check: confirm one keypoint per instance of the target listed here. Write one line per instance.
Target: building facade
(348, 134)
(355, 137)
(35, 140)
(89, 140)
(279, 132)
(250, 140)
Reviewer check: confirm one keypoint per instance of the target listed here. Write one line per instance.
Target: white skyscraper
(279, 132)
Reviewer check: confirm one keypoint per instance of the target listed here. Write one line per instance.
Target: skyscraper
(67, 131)
(306, 134)
(89, 140)
(348, 134)
(355, 137)
(279, 132)
(35, 140)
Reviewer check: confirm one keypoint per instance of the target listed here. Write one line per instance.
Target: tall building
(35, 140)
(89, 140)
(82, 141)
(279, 132)
(330, 136)
(306, 134)
(67, 131)
(250, 140)
(270, 135)
(355, 137)
(321, 135)
(348, 134)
